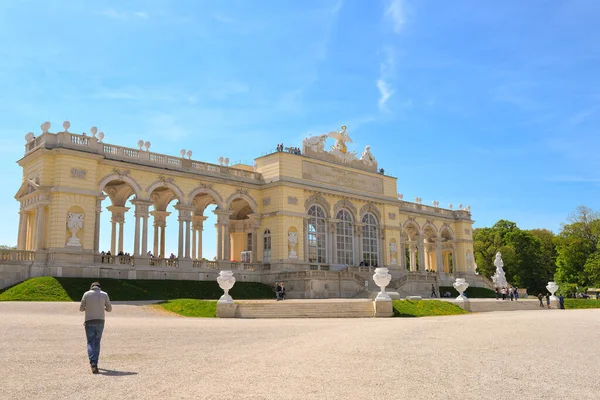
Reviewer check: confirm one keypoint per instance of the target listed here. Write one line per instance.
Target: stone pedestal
(554, 303)
(463, 303)
(383, 308)
(226, 310)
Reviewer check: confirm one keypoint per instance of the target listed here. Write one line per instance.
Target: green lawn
(191, 307)
(471, 292)
(425, 308)
(581, 303)
(71, 289)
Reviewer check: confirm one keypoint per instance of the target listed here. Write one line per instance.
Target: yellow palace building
(319, 218)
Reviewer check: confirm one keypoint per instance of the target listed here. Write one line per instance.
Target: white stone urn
(292, 240)
(461, 285)
(74, 224)
(226, 280)
(552, 288)
(382, 278)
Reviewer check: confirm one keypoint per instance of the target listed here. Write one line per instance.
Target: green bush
(581, 303)
(471, 292)
(72, 289)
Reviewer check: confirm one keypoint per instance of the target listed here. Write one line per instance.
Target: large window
(267, 246)
(344, 238)
(370, 240)
(317, 235)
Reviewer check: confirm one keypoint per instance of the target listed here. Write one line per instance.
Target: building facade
(312, 217)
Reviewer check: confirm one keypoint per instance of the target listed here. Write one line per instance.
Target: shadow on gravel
(109, 372)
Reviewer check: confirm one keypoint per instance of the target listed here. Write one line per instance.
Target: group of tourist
(561, 300)
(507, 293)
(291, 150)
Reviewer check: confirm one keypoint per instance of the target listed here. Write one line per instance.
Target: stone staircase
(325, 308)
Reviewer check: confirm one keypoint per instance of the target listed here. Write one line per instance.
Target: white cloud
(385, 92)
(123, 15)
(386, 72)
(396, 13)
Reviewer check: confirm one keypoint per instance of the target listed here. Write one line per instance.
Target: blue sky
(485, 103)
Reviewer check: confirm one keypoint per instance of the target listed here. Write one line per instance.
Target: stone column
(156, 240)
(145, 234)
(305, 235)
(136, 240)
(97, 223)
(162, 241)
(180, 239)
(121, 226)
(227, 242)
(219, 229)
(359, 241)
(421, 249)
(194, 243)
(332, 243)
(439, 263)
(22, 237)
(454, 263)
(402, 253)
(412, 258)
(187, 238)
(113, 237)
(40, 226)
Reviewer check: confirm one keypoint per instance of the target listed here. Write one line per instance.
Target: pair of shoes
(95, 369)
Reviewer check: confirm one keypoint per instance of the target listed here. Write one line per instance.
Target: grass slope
(191, 307)
(71, 289)
(471, 292)
(425, 308)
(581, 303)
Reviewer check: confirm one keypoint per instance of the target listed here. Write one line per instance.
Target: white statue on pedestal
(315, 143)
(367, 158)
(499, 278)
(292, 240)
(393, 249)
(461, 285)
(74, 224)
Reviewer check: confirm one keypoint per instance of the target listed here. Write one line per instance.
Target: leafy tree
(576, 246)
(5, 247)
(548, 250)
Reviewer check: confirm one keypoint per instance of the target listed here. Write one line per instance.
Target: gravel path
(148, 355)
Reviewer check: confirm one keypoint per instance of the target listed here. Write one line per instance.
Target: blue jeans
(93, 332)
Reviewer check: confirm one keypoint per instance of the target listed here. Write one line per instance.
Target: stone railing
(361, 269)
(115, 260)
(93, 145)
(405, 205)
(246, 266)
(17, 255)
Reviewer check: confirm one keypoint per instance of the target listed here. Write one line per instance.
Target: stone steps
(306, 309)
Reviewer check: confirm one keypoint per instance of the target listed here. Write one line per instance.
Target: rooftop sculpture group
(339, 150)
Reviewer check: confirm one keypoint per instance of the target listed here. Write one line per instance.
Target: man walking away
(94, 302)
(433, 291)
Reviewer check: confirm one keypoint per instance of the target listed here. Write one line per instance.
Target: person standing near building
(94, 303)
(433, 294)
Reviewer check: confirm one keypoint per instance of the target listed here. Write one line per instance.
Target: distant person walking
(94, 303)
(548, 299)
(561, 302)
(433, 294)
(516, 293)
(541, 299)
(497, 293)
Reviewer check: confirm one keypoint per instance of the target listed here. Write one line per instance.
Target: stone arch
(429, 224)
(241, 194)
(165, 183)
(206, 190)
(137, 190)
(447, 228)
(319, 200)
(370, 208)
(411, 223)
(345, 204)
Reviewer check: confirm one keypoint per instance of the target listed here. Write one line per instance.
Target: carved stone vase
(226, 280)
(552, 287)
(461, 285)
(74, 224)
(382, 278)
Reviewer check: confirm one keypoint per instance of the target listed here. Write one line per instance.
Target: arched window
(370, 240)
(267, 246)
(345, 238)
(317, 235)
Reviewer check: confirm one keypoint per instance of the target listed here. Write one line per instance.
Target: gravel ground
(151, 355)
